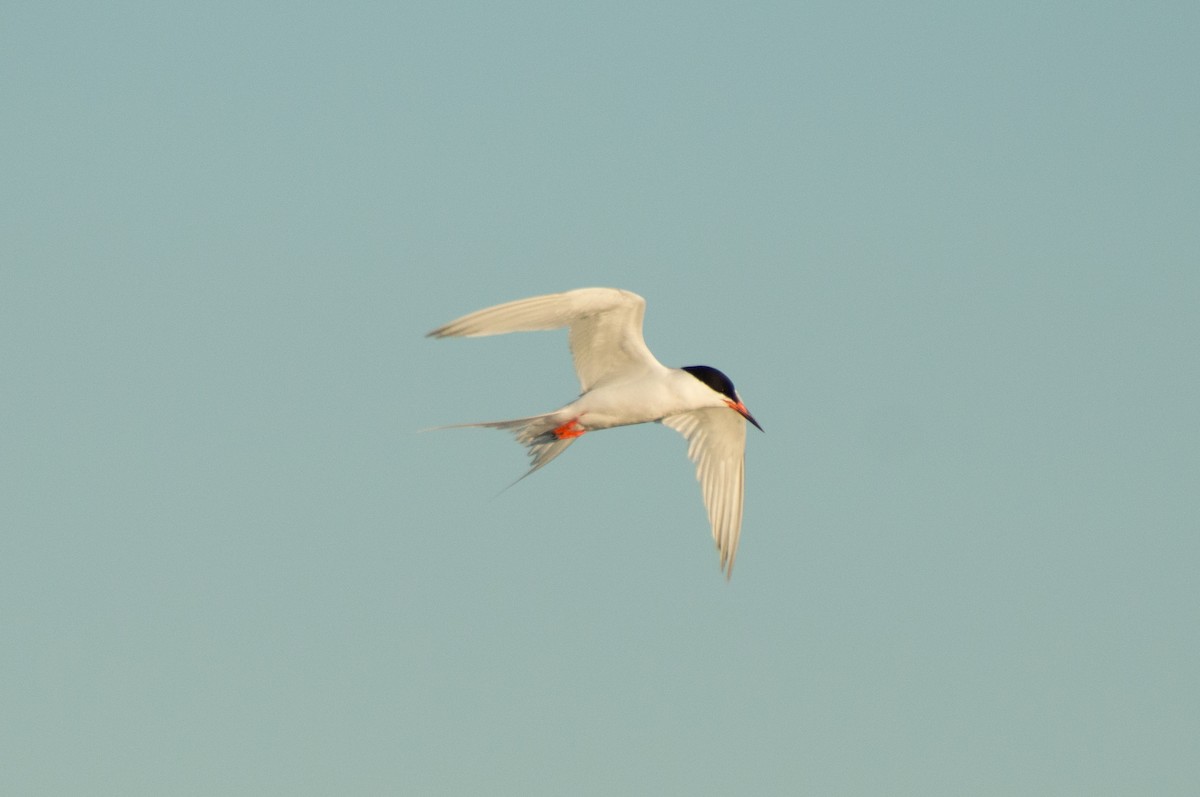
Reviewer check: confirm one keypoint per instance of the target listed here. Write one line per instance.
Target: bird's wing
(606, 328)
(717, 444)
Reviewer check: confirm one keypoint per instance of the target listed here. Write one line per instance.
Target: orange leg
(569, 430)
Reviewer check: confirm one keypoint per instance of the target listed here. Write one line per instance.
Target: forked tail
(536, 433)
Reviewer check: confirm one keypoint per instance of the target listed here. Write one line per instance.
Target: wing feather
(605, 328)
(716, 440)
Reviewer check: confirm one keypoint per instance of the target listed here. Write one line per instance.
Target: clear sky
(949, 253)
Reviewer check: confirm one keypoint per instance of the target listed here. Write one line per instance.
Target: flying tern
(621, 384)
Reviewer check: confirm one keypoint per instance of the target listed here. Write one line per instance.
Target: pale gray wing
(717, 444)
(605, 328)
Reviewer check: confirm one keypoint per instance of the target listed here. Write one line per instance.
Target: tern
(622, 384)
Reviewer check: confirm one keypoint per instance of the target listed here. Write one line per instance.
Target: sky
(948, 252)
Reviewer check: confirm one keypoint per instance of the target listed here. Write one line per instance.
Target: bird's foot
(570, 429)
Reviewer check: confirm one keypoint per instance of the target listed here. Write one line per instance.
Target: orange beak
(740, 409)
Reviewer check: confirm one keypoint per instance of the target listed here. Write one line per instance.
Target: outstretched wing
(717, 444)
(605, 328)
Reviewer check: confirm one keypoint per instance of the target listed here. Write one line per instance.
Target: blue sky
(948, 253)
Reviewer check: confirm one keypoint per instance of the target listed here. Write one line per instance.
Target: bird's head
(723, 386)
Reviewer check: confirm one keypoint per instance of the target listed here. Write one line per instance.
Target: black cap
(714, 379)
